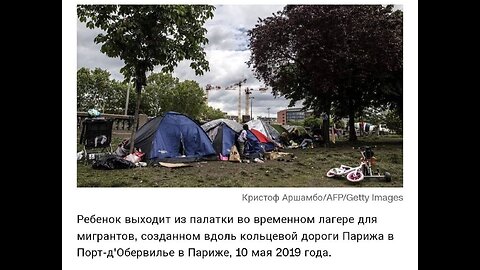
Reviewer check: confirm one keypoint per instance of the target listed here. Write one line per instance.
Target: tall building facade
(293, 114)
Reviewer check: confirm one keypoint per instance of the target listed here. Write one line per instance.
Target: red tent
(262, 138)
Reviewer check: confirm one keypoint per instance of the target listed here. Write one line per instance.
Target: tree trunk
(326, 123)
(351, 121)
(325, 128)
(138, 87)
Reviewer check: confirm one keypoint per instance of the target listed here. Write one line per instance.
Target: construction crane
(209, 87)
(234, 86)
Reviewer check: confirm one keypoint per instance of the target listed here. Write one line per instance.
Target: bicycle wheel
(355, 176)
(388, 177)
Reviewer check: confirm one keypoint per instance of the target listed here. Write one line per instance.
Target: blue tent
(224, 139)
(173, 136)
(257, 143)
(223, 133)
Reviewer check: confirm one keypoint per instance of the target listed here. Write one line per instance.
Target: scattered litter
(277, 155)
(111, 162)
(257, 160)
(234, 155)
(80, 155)
(174, 165)
(122, 149)
(93, 113)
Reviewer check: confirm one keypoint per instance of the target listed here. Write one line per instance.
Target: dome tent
(209, 126)
(173, 136)
(223, 133)
(257, 142)
(266, 129)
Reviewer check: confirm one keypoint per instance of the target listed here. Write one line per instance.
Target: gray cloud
(226, 52)
(242, 16)
(226, 38)
(89, 55)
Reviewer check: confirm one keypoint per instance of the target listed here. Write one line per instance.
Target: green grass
(307, 170)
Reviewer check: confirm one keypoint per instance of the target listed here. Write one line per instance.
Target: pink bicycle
(362, 171)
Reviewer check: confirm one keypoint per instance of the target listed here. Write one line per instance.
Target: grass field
(308, 169)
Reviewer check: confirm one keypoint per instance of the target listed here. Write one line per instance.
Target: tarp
(292, 129)
(279, 128)
(173, 135)
(262, 138)
(257, 142)
(230, 123)
(265, 128)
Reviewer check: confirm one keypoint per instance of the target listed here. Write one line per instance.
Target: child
(242, 140)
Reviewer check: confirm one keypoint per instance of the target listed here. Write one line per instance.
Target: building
(292, 115)
(269, 120)
(245, 118)
(232, 117)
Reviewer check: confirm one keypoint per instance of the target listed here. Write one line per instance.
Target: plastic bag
(111, 162)
(234, 154)
(80, 155)
(93, 113)
(132, 158)
(135, 157)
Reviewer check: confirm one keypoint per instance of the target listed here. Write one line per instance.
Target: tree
(165, 93)
(93, 89)
(312, 121)
(210, 113)
(189, 98)
(333, 57)
(117, 98)
(159, 93)
(394, 122)
(148, 36)
(296, 123)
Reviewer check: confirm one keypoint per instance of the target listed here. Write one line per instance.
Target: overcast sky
(226, 52)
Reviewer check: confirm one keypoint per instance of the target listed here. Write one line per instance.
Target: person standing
(242, 140)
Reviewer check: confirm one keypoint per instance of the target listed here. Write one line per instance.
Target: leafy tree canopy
(145, 36)
(95, 90)
(340, 57)
(211, 113)
(165, 93)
